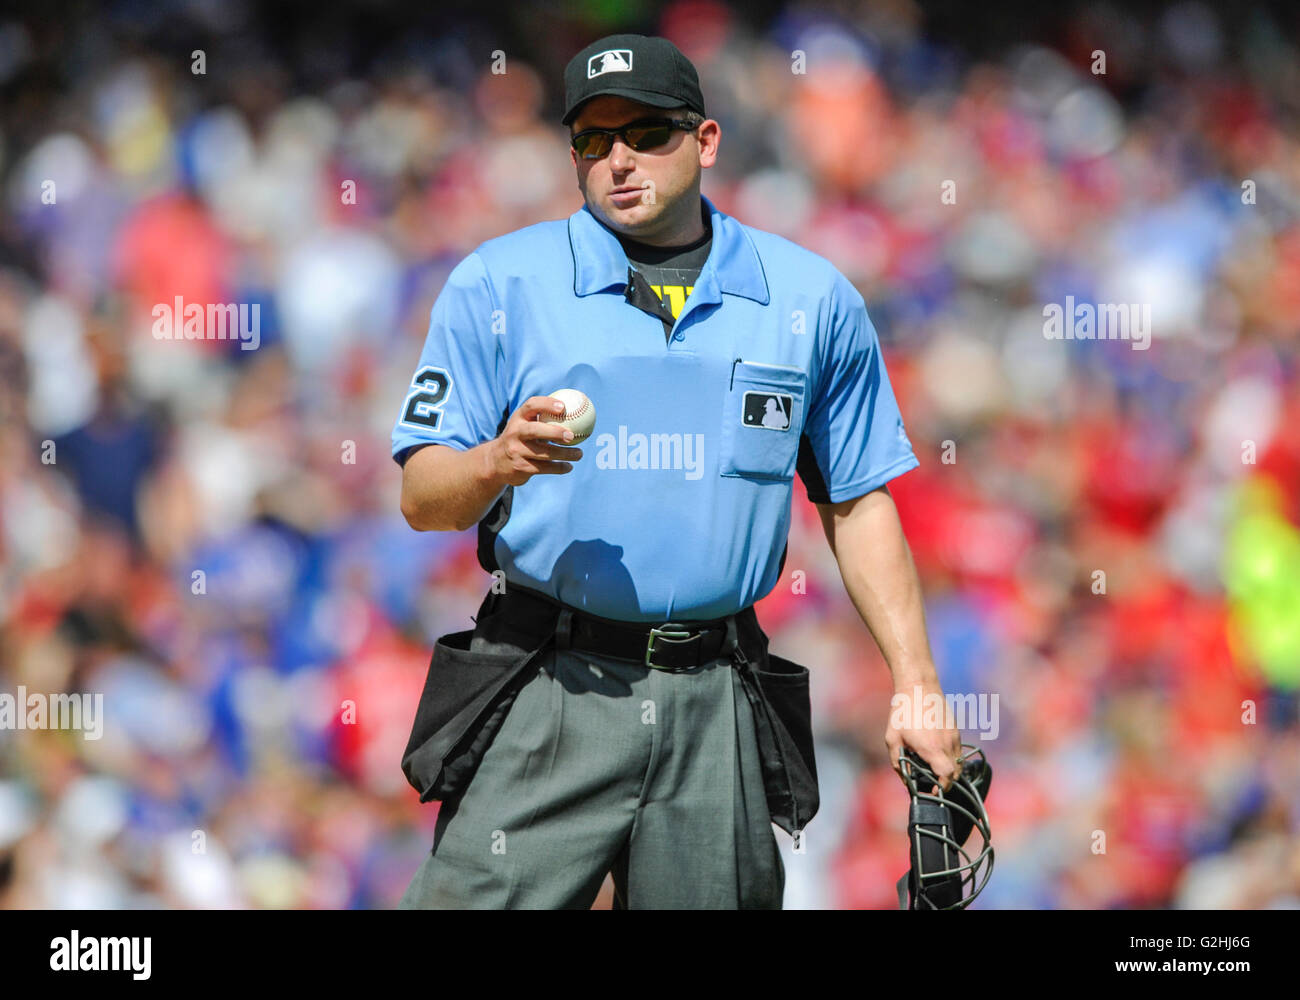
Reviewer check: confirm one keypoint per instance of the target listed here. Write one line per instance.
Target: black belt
(674, 645)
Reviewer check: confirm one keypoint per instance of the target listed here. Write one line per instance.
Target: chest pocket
(762, 420)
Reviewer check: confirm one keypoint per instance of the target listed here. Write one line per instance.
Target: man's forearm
(880, 578)
(444, 489)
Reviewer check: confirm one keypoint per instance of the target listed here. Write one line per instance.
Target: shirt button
(678, 336)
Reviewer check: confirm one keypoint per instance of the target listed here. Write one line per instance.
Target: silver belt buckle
(670, 631)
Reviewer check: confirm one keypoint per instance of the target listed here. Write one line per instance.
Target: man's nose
(620, 157)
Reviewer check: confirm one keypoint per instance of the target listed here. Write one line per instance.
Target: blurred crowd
(210, 536)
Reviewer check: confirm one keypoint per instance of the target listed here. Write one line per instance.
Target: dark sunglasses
(640, 135)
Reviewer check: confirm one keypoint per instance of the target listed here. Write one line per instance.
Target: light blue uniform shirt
(680, 506)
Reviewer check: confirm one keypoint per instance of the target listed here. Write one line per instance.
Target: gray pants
(603, 765)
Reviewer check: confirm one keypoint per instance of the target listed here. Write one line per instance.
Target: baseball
(579, 414)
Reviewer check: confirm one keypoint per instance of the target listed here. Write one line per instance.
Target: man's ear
(710, 135)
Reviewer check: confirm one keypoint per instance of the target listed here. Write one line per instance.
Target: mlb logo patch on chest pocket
(762, 420)
(768, 410)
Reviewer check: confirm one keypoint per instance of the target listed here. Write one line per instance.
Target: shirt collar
(599, 261)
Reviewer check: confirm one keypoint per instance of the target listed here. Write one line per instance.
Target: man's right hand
(527, 447)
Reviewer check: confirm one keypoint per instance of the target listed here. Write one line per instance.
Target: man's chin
(632, 217)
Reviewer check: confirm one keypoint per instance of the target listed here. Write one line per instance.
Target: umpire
(615, 707)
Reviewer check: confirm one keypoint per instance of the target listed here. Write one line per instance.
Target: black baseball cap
(640, 68)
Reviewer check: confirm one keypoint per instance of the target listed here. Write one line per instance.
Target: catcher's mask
(938, 825)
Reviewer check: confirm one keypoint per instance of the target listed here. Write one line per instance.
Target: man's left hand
(915, 711)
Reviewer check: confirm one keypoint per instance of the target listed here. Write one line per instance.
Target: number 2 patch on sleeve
(429, 391)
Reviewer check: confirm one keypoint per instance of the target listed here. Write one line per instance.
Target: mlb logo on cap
(610, 61)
